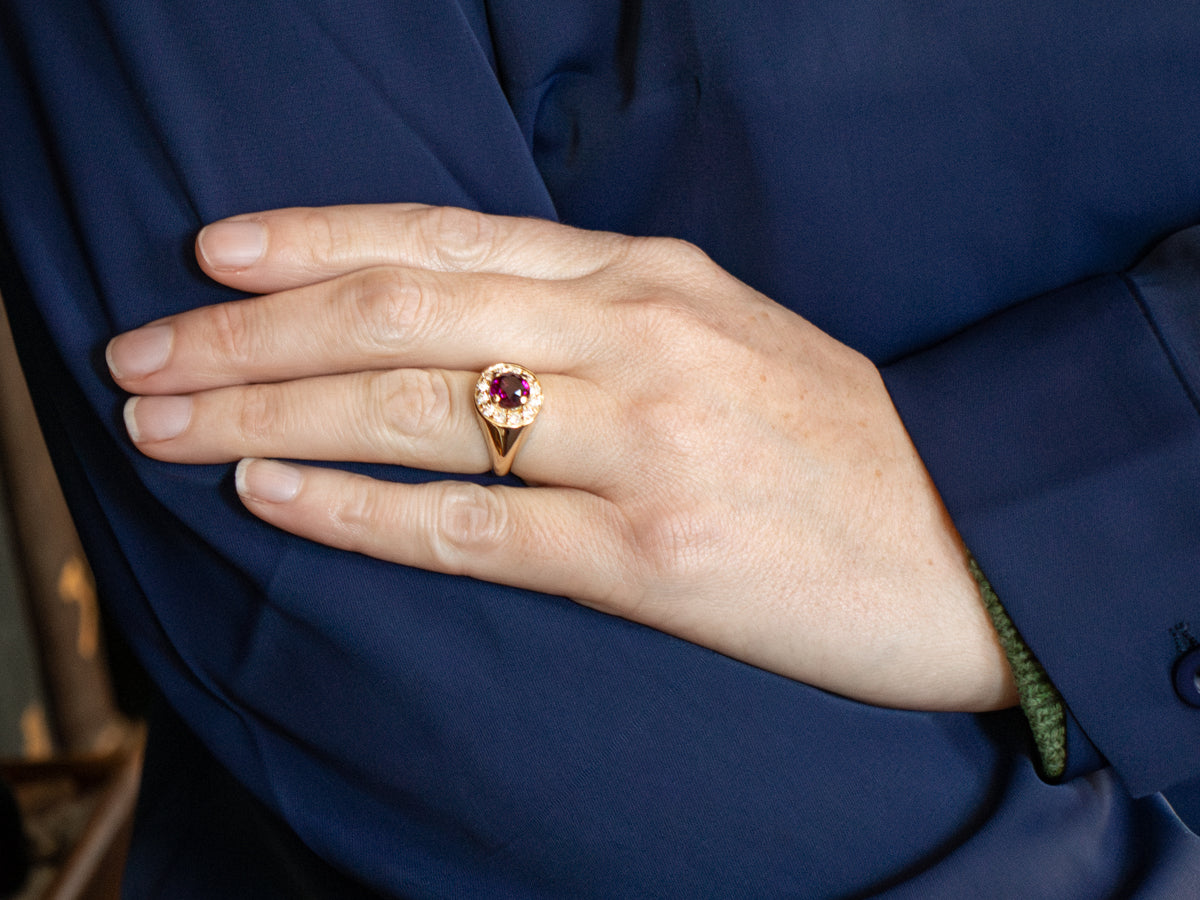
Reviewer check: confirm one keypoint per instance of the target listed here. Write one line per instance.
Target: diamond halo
(508, 395)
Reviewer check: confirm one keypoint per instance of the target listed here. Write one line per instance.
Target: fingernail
(232, 245)
(139, 353)
(267, 480)
(157, 418)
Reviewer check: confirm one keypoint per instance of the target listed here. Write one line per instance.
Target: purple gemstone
(509, 391)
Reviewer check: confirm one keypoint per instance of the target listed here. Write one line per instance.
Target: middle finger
(378, 318)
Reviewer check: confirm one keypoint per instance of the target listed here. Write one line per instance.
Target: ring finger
(422, 418)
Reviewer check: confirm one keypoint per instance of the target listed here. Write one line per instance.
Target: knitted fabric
(1040, 700)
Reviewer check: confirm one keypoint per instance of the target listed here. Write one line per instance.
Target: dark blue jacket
(959, 189)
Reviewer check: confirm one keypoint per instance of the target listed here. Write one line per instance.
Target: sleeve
(1063, 435)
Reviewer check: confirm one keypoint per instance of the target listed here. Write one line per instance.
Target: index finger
(284, 248)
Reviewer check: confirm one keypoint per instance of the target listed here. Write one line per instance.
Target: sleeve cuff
(1063, 435)
(1040, 701)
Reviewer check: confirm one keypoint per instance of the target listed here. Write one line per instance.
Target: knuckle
(325, 239)
(468, 520)
(670, 543)
(260, 415)
(389, 306)
(234, 334)
(459, 239)
(671, 251)
(672, 323)
(355, 515)
(674, 428)
(411, 402)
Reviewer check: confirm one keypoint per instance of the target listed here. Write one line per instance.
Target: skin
(707, 462)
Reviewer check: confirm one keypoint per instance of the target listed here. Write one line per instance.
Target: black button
(1187, 677)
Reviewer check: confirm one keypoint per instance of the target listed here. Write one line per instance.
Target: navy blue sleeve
(1064, 436)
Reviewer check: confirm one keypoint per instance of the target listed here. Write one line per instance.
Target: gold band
(508, 398)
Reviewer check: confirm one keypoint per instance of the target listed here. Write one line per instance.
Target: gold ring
(507, 400)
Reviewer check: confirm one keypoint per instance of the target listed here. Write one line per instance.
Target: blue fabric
(942, 185)
(1091, 430)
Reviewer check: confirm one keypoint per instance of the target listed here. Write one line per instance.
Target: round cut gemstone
(509, 390)
(508, 395)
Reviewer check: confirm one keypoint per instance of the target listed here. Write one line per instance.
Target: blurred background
(70, 748)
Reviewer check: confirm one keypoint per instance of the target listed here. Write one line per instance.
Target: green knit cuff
(1040, 700)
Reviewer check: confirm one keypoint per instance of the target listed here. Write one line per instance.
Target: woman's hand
(706, 463)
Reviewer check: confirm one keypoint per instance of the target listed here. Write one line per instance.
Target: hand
(706, 463)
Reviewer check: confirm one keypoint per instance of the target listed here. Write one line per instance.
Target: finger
(275, 250)
(558, 541)
(370, 319)
(412, 417)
